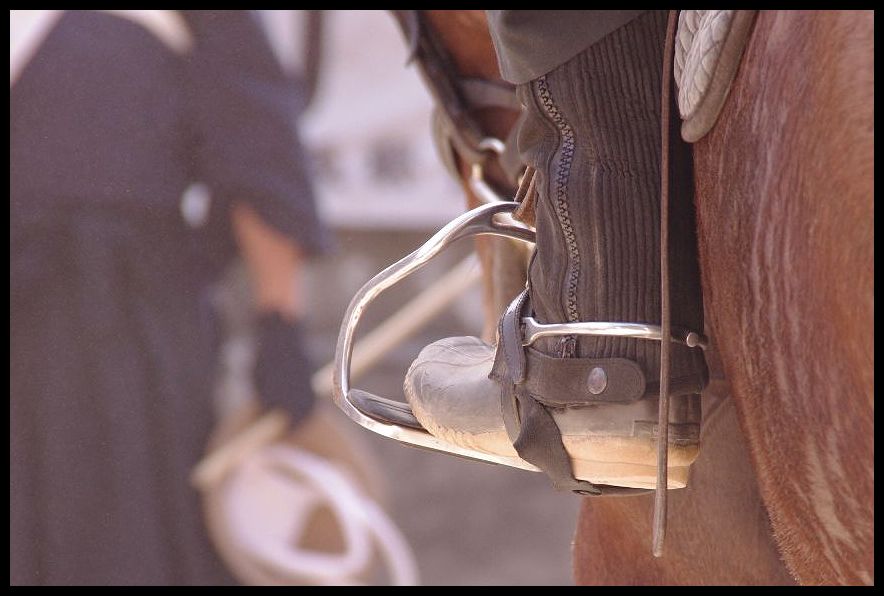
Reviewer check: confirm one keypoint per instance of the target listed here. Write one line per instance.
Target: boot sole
(617, 461)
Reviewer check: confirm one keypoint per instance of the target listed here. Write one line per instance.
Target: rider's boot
(593, 136)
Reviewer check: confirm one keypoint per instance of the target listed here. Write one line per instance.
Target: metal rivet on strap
(597, 380)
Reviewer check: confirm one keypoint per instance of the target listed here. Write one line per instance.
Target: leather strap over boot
(529, 425)
(532, 384)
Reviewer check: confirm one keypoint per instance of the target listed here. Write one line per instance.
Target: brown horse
(786, 248)
(783, 490)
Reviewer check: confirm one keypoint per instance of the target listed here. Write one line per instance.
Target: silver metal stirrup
(377, 413)
(394, 419)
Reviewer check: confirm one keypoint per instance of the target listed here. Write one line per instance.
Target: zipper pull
(526, 197)
(568, 347)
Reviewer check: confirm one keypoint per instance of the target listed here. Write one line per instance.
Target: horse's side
(718, 529)
(785, 216)
(785, 212)
(786, 229)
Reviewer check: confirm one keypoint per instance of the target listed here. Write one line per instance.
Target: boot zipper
(565, 156)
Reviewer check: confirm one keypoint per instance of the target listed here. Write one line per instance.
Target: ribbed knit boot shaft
(593, 134)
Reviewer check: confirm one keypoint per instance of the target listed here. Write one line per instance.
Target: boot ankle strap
(561, 382)
(530, 426)
(532, 382)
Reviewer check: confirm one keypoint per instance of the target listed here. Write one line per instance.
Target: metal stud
(597, 380)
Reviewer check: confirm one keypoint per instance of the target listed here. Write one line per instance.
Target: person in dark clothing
(112, 334)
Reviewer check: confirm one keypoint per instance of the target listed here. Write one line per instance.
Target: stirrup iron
(394, 419)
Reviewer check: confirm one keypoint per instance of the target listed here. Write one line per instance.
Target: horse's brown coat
(718, 528)
(785, 213)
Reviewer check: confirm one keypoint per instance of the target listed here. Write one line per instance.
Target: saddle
(708, 49)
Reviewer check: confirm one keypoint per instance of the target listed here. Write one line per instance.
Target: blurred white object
(269, 500)
(299, 507)
(27, 30)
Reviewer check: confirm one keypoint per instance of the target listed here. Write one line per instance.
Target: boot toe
(451, 395)
(448, 389)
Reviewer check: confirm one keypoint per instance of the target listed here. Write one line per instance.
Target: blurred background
(383, 191)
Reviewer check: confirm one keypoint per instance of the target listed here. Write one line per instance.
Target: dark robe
(112, 335)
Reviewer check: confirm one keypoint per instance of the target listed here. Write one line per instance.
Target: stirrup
(395, 419)
(391, 418)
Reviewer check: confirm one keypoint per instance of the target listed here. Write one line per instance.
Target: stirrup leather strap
(660, 497)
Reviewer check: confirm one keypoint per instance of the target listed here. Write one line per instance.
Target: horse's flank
(718, 533)
(785, 215)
